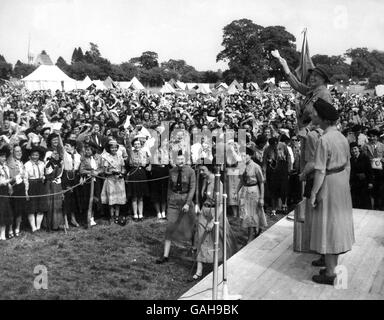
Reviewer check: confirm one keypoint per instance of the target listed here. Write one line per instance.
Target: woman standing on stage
(251, 193)
(204, 236)
(332, 225)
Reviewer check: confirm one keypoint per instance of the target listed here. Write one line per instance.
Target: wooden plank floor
(267, 268)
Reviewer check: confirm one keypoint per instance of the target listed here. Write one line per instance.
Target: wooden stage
(267, 268)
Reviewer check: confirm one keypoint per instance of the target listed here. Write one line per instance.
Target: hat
(326, 110)
(249, 151)
(321, 70)
(5, 151)
(373, 132)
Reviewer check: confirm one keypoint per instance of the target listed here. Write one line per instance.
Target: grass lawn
(105, 262)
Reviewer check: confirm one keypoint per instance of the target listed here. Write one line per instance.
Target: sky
(191, 30)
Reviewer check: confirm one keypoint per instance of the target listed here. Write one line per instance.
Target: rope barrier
(46, 195)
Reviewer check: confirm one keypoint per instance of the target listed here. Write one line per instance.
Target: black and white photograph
(191, 151)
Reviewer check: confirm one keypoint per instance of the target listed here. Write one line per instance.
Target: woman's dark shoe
(123, 221)
(162, 260)
(319, 262)
(195, 277)
(141, 219)
(322, 271)
(324, 279)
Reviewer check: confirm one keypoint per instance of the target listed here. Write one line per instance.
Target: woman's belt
(159, 165)
(209, 205)
(181, 192)
(333, 171)
(250, 185)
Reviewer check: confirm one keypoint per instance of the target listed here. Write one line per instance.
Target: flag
(305, 61)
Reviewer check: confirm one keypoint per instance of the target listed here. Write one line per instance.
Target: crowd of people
(52, 144)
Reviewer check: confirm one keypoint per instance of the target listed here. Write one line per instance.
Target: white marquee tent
(203, 88)
(49, 77)
(167, 88)
(84, 84)
(379, 89)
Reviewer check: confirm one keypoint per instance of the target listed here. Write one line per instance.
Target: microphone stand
(217, 229)
(225, 293)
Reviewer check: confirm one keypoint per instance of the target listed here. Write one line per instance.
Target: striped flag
(305, 61)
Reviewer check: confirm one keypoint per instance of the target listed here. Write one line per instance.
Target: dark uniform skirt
(18, 204)
(54, 218)
(181, 225)
(5, 207)
(137, 189)
(36, 203)
(71, 198)
(159, 187)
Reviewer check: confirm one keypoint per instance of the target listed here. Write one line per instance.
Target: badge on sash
(376, 164)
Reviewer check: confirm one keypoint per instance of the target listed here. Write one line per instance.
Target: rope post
(216, 243)
(90, 204)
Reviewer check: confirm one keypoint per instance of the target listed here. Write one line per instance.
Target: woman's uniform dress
(204, 240)
(113, 191)
(181, 189)
(251, 212)
(332, 221)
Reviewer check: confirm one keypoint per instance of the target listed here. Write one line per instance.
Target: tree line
(246, 48)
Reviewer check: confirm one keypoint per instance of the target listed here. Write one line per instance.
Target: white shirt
(33, 170)
(69, 163)
(4, 174)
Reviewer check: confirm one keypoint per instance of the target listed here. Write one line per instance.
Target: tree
(5, 68)
(243, 49)
(210, 77)
(276, 37)
(376, 79)
(151, 77)
(93, 54)
(129, 70)
(63, 65)
(77, 55)
(21, 70)
(147, 60)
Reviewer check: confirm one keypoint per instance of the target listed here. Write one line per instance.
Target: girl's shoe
(163, 216)
(93, 223)
(159, 216)
(195, 277)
